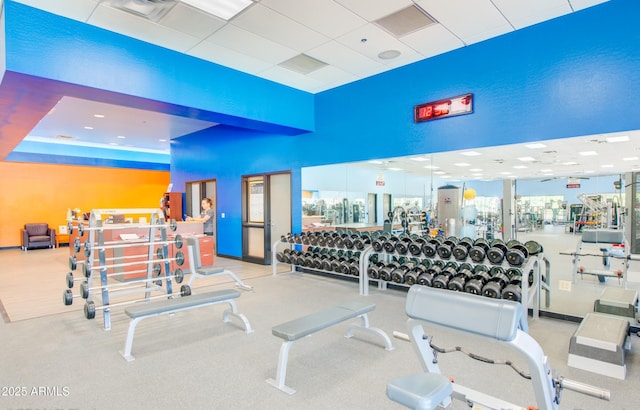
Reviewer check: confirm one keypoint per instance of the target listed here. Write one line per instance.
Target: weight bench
(198, 271)
(315, 322)
(140, 311)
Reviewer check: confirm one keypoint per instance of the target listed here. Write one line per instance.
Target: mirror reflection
(513, 193)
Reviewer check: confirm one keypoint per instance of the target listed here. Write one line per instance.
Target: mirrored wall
(553, 208)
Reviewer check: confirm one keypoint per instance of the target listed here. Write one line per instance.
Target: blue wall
(554, 80)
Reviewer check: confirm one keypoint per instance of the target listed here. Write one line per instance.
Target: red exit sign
(573, 185)
(450, 107)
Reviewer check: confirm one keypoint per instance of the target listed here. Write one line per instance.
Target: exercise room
(354, 206)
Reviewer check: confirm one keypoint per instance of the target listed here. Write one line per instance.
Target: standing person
(206, 216)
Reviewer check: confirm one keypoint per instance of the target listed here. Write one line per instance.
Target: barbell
(157, 270)
(73, 263)
(173, 225)
(178, 241)
(90, 307)
(85, 289)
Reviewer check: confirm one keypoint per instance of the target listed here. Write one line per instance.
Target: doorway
(266, 214)
(196, 191)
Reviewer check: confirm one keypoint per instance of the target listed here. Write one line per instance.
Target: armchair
(38, 235)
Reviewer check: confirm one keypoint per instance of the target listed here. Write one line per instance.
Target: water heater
(449, 209)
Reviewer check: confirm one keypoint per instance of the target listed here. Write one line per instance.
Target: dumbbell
(445, 249)
(533, 247)
(378, 243)
(479, 250)
(480, 277)
(517, 254)
(389, 245)
(461, 250)
(441, 280)
(429, 248)
(361, 242)
(402, 246)
(498, 280)
(398, 274)
(354, 266)
(373, 271)
(458, 281)
(426, 279)
(497, 252)
(385, 272)
(513, 290)
(411, 277)
(415, 247)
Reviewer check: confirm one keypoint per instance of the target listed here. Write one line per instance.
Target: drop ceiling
(316, 45)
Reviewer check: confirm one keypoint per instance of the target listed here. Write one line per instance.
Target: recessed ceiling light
(88, 128)
(590, 172)
(162, 140)
(394, 169)
(505, 173)
(520, 167)
(630, 159)
(476, 175)
(439, 172)
(536, 145)
(527, 159)
(113, 143)
(470, 153)
(225, 9)
(606, 166)
(98, 115)
(121, 137)
(445, 176)
(476, 169)
(431, 167)
(570, 163)
(462, 164)
(621, 138)
(588, 153)
(419, 159)
(546, 170)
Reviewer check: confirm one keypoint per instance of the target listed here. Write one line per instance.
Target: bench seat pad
(168, 305)
(306, 325)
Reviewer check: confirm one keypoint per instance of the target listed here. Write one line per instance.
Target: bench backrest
(195, 255)
(495, 318)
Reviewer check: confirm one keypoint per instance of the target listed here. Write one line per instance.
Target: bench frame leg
(233, 311)
(364, 326)
(126, 353)
(281, 372)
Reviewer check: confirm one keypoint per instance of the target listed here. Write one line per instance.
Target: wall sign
(449, 107)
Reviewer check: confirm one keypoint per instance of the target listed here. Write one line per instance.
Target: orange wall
(43, 192)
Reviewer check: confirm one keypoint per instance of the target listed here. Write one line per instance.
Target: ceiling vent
(406, 21)
(302, 64)
(153, 10)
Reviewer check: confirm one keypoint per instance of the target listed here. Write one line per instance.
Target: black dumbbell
(461, 277)
(385, 272)
(461, 250)
(389, 245)
(373, 271)
(441, 280)
(402, 246)
(513, 290)
(517, 254)
(479, 250)
(496, 253)
(498, 280)
(445, 249)
(480, 277)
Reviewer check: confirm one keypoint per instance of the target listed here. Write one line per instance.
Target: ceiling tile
(375, 41)
(274, 26)
(291, 78)
(228, 58)
(140, 28)
(373, 10)
(342, 57)
(471, 21)
(250, 44)
(190, 21)
(79, 10)
(324, 16)
(583, 4)
(432, 40)
(526, 13)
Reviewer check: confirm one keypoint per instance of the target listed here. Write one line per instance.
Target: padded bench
(140, 311)
(599, 344)
(315, 322)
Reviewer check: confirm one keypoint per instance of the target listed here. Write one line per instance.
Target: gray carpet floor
(193, 360)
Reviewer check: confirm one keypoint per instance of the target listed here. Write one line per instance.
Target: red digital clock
(450, 107)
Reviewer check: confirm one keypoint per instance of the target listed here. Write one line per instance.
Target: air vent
(406, 21)
(153, 10)
(302, 64)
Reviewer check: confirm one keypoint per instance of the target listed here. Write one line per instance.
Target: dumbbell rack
(294, 267)
(96, 240)
(530, 294)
